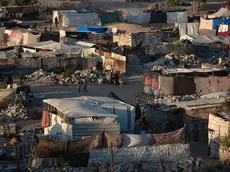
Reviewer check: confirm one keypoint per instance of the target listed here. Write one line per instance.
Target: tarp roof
(52, 45)
(205, 39)
(199, 70)
(223, 12)
(78, 107)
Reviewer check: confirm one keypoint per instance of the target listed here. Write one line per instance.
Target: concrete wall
(181, 85)
(221, 128)
(206, 85)
(172, 152)
(224, 154)
(166, 85)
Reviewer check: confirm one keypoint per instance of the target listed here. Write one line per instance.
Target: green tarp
(111, 17)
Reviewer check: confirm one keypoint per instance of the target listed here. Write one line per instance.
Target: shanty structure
(73, 18)
(204, 39)
(21, 36)
(219, 127)
(223, 12)
(176, 16)
(73, 118)
(19, 11)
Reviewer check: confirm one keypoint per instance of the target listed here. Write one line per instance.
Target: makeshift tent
(217, 22)
(85, 107)
(109, 17)
(80, 19)
(56, 13)
(223, 12)
(138, 17)
(188, 28)
(158, 17)
(223, 30)
(91, 29)
(14, 37)
(205, 24)
(204, 39)
(177, 17)
(192, 28)
(7, 54)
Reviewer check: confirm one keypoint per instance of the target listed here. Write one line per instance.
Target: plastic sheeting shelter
(109, 17)
(223, 12)
(54, 46)
(84, 107)
(138, 17)
(217, 22)
(177, 17)
(204, 39)
(80, 19)
(205, 24)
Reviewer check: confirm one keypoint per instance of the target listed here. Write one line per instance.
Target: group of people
(112, 78)
(82, 84)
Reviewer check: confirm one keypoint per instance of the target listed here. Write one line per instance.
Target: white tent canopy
(85, 107)
(78, 108)
(223, 12)
(204, 39)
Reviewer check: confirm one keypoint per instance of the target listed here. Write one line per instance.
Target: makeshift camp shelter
(85, 116)
(223, 12)
(20, 36)
(138, 17)
(51, 46)
(72, 18)
(205, 24)
(177, 16)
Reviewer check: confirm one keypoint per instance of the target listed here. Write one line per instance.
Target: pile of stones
(15, 111)
(174, 98)
(90, 76)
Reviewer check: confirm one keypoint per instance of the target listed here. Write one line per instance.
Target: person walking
(85, 87)
(79, 86)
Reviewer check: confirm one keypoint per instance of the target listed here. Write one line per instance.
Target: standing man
(56, 22)
(79, 86)
(9, 82)
(137, 109)
(85, 87)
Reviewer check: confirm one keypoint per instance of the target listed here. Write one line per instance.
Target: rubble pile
(90, 76)
(175, 98)
(14, 111)
(184, 58)
(159, 68)
(41, 76)
(188, 165)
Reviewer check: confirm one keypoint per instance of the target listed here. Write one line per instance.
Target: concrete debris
(41, 76)
(182, 57)
(188, 165)
(90, 76)
(175, 98)
(15, 111)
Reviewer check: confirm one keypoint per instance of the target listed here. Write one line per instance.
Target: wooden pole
(111, 158)
(16, 154)
(162, 166)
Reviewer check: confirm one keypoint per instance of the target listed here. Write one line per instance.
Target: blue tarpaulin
(91, 29)
(217, 22)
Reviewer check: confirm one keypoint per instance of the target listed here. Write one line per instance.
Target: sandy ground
(133, 85)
